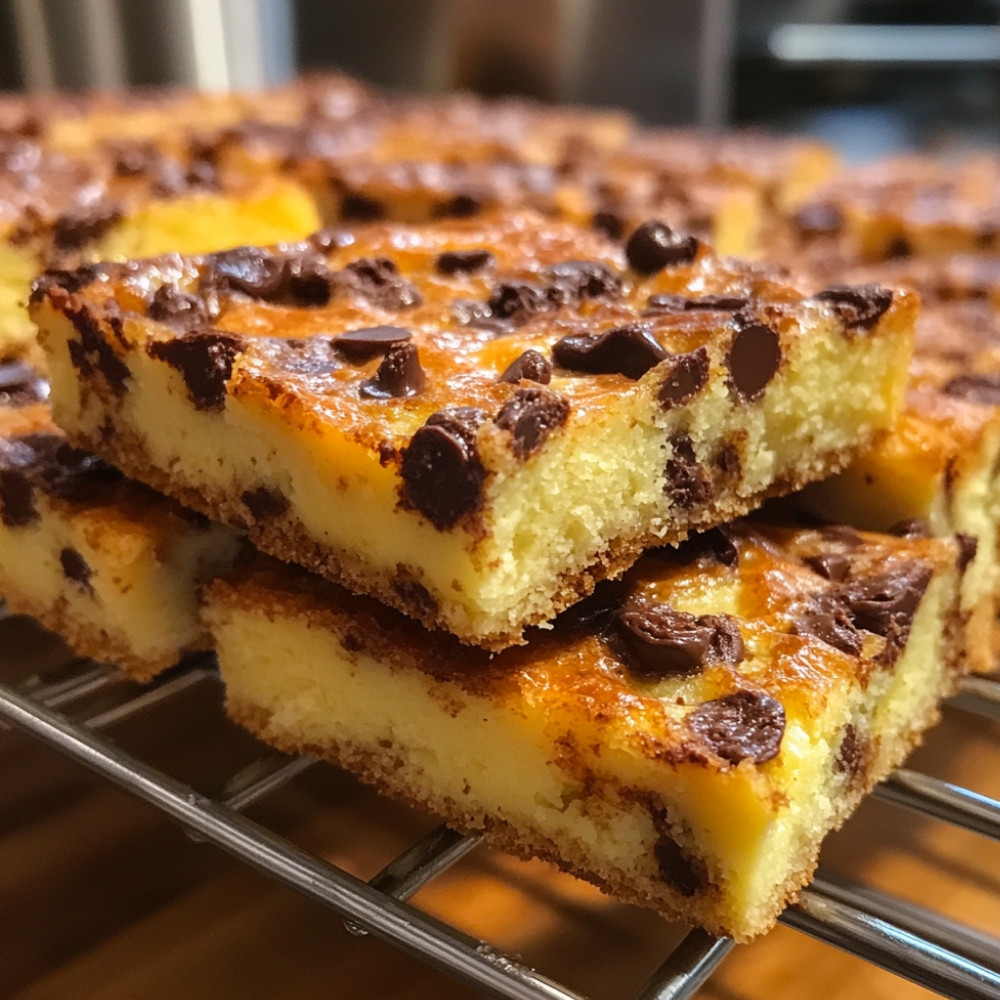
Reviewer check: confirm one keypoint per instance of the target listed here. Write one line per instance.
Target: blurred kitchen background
(871, 76)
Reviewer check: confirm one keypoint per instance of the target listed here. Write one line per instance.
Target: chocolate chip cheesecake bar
(472, 421)
(683, 738)
(111, 566)
(938, 472)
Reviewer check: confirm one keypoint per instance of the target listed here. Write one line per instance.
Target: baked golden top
(699, 655)
(383, 329)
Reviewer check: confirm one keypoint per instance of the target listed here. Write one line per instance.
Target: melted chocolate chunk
(687, 483)
(463, 261)
(859, 307)
(205, 362)
(363, 345)
(745, 725)
(265, 502)
(462, 206)
(530, 415)
(376, 280)
(753, 359)
(573, 280)
(968, 545)
(825, 616)
(670, 304)
(308, 280)
(441, 471)
(832, 566)
(532, 366)
(686, 875)
(627, 350)
(610, 224)
(663, 642)
(250, 270)
(93, 354)
(886, 604)
(654, 246)
(819, 218)
(178, 309)
(399, 376)
(975, 388)
(356, 207)
(913, 527)
(854, 756)
(84, 225)
(48, 463)
(686, 376)
(75, 568)
(17, 498)
(518, 301)
(21, 385)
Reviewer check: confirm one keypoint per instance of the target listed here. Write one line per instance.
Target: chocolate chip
(360, 208)
(93, 353)
(753, 359)
(663, 642)
(854, 756)
(530, 365)
(265, 502)
(573, 280)
(654, 246)
(17, 498)
(75, 568)
(441, 471)
(609, 223)
(76, 228)
(530, 415)
(832, 566)
(819, 218)
(254, 271)
(518, 301)
(842, 533)
(898, 246)
(968, 545)
(975, 388)
(378, 282)
(745, 725)
(399, 376)
(687, 485)
(205, 362)
(308, 279)
(686, 376)
(720, 543)
(21, 385)
(363, 345)
(679, 871)
(825, 616)
(913, 527)
(626, 350)
(670, 304)
(462, 206)
(178, 309)
(885, 604)
(455, 262)
(859, 307)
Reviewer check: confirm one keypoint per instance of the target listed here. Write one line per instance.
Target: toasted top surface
(379, 327)
(699, 655)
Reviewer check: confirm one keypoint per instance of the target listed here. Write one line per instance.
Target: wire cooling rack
(888, 932)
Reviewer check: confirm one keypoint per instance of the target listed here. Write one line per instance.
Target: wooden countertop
(102, 898)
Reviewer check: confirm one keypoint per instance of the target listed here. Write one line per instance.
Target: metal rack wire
(906, 939)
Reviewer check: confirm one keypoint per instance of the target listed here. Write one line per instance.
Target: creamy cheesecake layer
(685, 738)
(551, 406)
(108, 564)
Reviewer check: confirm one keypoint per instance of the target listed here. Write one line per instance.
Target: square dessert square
(108, 564)
(473, 421)
(684, 738)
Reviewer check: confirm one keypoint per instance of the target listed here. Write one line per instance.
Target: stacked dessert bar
(494, 432)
